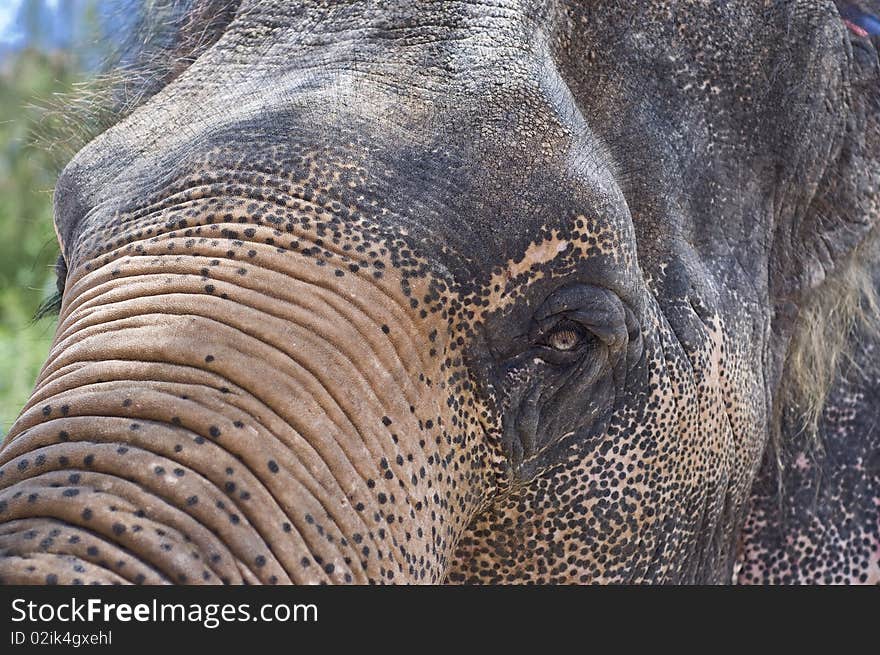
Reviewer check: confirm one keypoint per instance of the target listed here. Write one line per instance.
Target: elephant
(510, 291)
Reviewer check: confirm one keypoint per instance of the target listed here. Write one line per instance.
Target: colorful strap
(860, 23)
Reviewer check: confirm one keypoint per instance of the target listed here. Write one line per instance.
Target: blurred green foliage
(31, 78)
(27, 241)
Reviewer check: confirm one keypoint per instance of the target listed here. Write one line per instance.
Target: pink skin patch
(855, 29)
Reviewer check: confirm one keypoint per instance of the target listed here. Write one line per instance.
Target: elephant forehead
(486, 220)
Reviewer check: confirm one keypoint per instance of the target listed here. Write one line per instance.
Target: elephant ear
(823, 255)
(815, 512)
(842, 211)
(815, 507)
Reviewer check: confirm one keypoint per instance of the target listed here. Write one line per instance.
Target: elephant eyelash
(51, 306)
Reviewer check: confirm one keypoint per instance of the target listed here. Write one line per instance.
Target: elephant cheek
(273, 427)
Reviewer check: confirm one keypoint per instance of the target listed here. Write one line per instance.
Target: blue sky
(9, 34)
(8, 10)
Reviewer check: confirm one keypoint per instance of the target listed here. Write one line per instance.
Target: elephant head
(424, 292)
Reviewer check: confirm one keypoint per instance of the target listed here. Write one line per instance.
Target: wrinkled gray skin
(457, 291)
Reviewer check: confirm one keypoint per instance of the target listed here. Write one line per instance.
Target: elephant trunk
(238, 411)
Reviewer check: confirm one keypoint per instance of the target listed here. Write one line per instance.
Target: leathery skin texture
(467, 292)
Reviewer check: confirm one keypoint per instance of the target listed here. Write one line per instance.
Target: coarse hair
(155, 41)
(831, 321)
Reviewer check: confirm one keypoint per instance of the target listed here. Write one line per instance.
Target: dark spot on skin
(209, 358)
(273, 466)
(51, 579)
(86, 514)
(88, 460)
(118, 529)
(260, 561)
(192, 500)
(214, 431)
(70, 493)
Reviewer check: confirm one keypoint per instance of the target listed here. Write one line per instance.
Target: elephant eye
(566, 336)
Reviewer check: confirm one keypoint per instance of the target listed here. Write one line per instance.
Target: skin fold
(496, 292)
